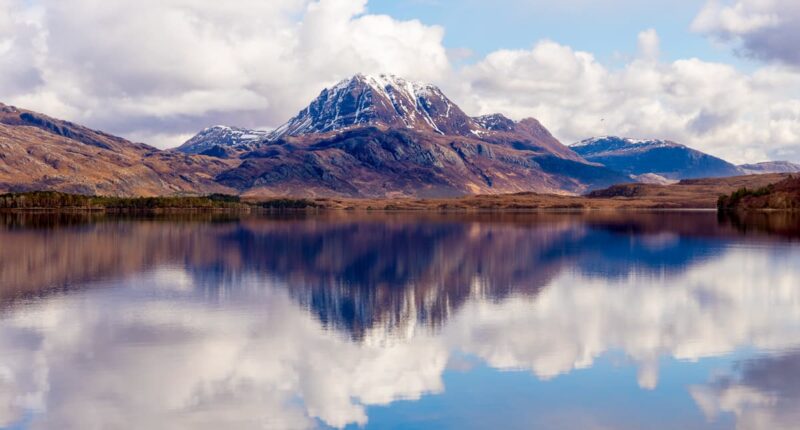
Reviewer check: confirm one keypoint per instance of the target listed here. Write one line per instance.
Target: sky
(722, 76)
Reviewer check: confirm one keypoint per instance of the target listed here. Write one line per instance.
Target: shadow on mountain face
(356, 271)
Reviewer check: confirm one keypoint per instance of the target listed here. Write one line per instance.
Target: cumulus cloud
(710, 106)
(19, 38)
(173, 67)
(764, 29)
(649, 44)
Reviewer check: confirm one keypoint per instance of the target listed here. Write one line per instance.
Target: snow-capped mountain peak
(391, 102)
(664, 158)
(616, 143)
(224, 136)
(495, 122)
(386, 100)
(770, 167)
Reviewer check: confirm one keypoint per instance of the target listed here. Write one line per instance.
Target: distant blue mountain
(660, 157)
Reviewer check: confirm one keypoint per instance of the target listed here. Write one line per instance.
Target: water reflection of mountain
(199, 326)
(355, 275)
(358, 273)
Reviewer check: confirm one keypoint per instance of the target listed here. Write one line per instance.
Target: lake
(639, 320)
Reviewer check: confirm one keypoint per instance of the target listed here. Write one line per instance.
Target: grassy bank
(756, 191)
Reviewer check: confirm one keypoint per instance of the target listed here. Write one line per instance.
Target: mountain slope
(385, 99)
(660, 157)
(386, 136)
(42, 153)
(374, 162)
(217, 139)
(390, 102)
(770, 167)
(783, 195)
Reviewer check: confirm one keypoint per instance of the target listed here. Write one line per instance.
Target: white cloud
(173, 67)
(764, 29)
(20, 36)
(649, 44)
(740, 18)
(710, 106)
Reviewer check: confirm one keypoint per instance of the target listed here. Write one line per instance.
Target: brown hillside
(38, 152)
(783, 195)
(687, 194)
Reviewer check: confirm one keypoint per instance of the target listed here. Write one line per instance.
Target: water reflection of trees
(780, 223)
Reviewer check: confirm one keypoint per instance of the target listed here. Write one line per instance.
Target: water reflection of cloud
(744, 298)
(107, 360)
(763, 393)
(153, 355)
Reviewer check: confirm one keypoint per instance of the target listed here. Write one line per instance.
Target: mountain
(652, 178)
(38, 152)
(385, 99)
(217, 140)
(770, 167)
(664, 158)
(394, 102)
(384, 136)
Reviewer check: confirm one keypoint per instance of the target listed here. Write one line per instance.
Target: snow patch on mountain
(770, 167)
(662, 158)
(386, 100)
(495, 122)
(223, 136)
(609, 144)
(380, 101)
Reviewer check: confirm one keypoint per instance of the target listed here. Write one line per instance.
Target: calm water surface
(550, 321)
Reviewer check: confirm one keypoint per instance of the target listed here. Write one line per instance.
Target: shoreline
(687, 195)
(256, 210)
(389, 210)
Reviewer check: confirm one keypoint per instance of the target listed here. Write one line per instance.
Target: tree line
(58, 200)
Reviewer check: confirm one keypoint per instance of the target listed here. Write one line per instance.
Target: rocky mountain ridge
(664, 158)
(224, 137)
(379, 100)
(770, 167)
(38, 152)
(384, 136)
(367, 136)
(384, 101)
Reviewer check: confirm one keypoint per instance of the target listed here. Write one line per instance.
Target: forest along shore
(783, 195)
(687, 194)
(52, 200)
